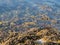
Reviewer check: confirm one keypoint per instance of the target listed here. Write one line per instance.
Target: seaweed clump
(34, 36)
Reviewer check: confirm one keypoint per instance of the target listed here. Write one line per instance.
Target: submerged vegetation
(30, 23)
(33, 31)
(34, 36)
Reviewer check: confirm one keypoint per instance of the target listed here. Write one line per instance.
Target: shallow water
(22, 10)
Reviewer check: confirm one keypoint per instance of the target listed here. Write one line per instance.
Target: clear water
(9, 9)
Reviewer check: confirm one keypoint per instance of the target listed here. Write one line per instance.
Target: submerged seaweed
(30, 22)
